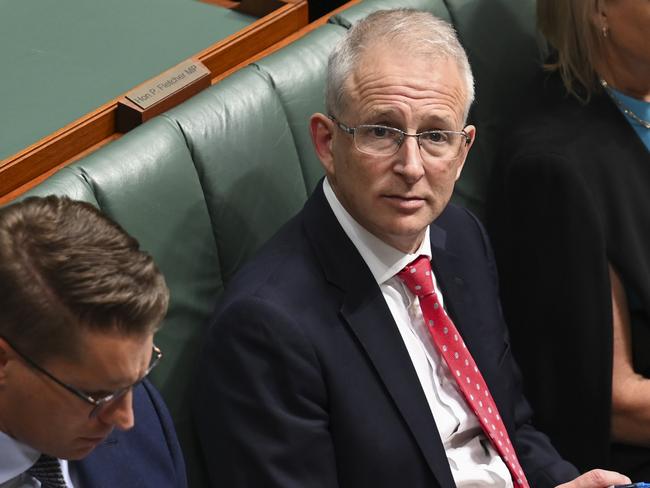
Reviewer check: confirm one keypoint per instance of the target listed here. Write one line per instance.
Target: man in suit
(79, 306)
(326, 365)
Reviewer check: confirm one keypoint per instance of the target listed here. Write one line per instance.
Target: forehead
(411, 87)
(107, 359)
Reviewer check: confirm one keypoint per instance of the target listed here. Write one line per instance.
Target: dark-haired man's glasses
(98, 402)
(381, 140)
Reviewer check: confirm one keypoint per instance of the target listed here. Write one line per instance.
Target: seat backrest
(502, 45)
(205, 184)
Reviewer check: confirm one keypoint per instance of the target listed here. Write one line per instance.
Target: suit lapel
(364, 310)
(100, 463)
(448, 270)
(107, 466)
(455, 283)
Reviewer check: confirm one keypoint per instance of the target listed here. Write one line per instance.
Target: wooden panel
(42, 177)
(60, 147)
(25, 169)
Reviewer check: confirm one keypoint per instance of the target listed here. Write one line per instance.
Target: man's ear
(5, 354)
(321, 130)
(471, 132)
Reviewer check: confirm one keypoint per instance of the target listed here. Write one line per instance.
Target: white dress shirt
(472, 459)
(15, 459)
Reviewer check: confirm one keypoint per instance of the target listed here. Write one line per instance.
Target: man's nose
(119, 413)
(410, 164)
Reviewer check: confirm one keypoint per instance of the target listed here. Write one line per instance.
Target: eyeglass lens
(100, 403)
(386, 141)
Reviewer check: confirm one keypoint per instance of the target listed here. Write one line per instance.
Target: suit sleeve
(542, 463)
(555, 292)
(260, 402)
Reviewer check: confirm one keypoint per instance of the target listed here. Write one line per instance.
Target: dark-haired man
(79, 306)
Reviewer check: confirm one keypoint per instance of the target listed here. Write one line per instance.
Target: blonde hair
(570, 28)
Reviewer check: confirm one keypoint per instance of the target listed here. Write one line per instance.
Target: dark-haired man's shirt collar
(15, 459)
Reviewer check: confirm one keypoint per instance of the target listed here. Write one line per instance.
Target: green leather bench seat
(350, 16)
(205, 184)
(246, 160)
(501, 43)
(306, 59)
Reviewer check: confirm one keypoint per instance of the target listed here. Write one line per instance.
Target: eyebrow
(382, 114)
(113, 385)
(429, 122)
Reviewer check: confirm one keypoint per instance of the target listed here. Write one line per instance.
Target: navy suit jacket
(305, 380)
(146, 456)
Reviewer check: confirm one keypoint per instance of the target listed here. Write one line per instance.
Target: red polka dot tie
(417, 277)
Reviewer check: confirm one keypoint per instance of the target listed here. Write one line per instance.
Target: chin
(80, 451)
(413, 229)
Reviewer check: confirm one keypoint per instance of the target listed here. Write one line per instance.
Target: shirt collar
(640, 107)
(15, 457)
(384, 261)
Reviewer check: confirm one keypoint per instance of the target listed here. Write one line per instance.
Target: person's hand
(597, 478)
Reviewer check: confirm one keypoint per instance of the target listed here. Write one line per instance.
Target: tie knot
(417, 276)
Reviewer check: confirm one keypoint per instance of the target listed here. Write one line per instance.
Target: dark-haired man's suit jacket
(147, 456)
(305, 380)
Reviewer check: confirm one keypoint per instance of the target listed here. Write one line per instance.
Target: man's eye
(380, 132)
(435, 137)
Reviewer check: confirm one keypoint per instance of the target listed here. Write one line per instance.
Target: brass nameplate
(167, 83)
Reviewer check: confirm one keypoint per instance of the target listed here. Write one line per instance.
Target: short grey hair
(417, 32)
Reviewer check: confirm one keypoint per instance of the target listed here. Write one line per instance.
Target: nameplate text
(168, 83)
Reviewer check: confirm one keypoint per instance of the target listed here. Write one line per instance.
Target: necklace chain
(624, 109)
